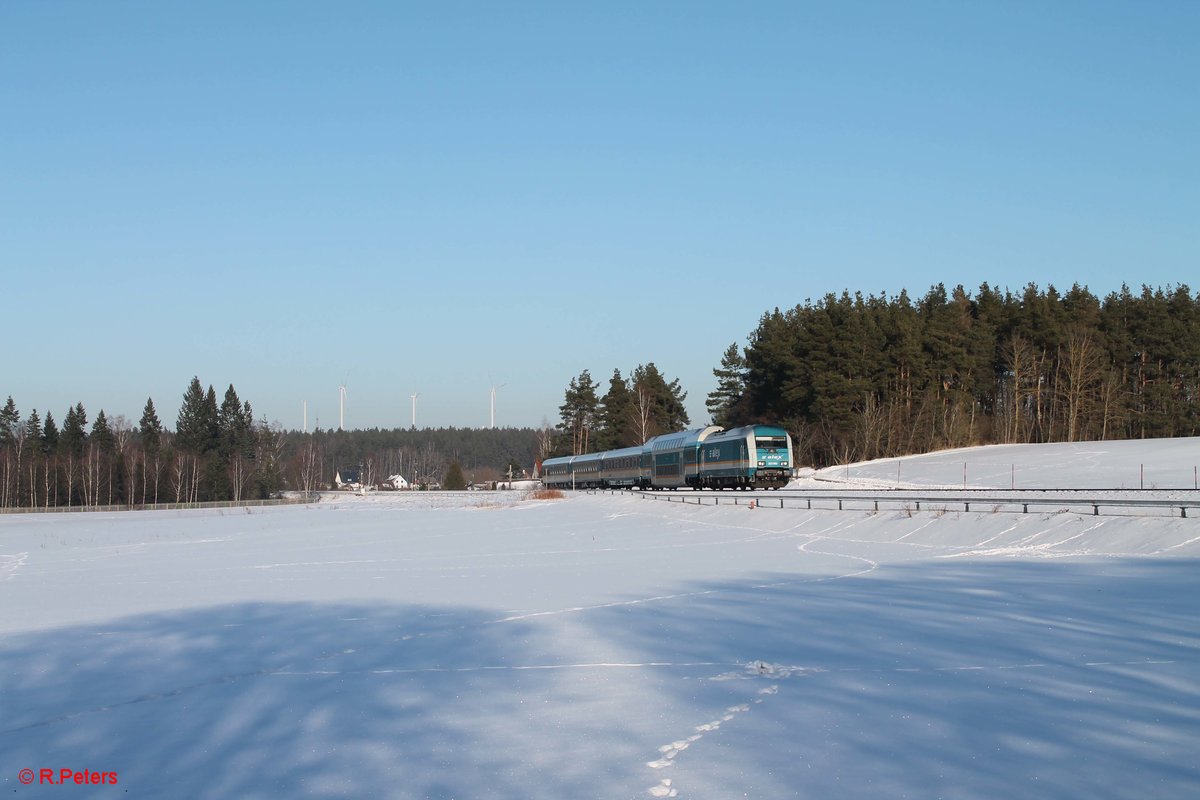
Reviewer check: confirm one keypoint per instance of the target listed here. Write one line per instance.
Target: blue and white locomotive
(750, 457)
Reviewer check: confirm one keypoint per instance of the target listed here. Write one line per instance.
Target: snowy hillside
(485, 646)
(1162, 464)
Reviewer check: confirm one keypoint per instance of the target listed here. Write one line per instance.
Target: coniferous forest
(851, 377)
(856, 377)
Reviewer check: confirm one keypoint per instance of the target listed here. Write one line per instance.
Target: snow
(1159, 464)
(484, 645)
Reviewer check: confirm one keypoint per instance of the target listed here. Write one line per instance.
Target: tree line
(218, 451)
(856, 377)
(631, 411)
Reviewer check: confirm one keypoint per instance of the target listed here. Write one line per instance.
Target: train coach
(749, 457)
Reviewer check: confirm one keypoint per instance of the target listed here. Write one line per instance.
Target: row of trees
(856, 377)
(216, 452)
(633, 410)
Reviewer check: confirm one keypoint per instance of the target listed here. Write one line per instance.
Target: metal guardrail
(867, 501)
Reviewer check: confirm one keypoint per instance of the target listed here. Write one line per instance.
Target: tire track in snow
(1026, 547)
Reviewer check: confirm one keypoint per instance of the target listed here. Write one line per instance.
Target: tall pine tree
(578, 414)
(615, 416)
(731, 386)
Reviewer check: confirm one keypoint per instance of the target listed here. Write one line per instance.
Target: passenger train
(750, 457)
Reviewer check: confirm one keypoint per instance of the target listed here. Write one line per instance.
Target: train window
(771, 443)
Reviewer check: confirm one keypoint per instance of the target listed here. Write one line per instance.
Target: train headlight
(762, 463)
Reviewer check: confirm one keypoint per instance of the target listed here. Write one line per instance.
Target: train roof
(636, 450)
(757, 430)
(670, 441)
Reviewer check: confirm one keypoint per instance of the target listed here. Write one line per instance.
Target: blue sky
(439, 198)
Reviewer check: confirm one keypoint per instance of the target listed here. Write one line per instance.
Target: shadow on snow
(953, 679)
(944, 679)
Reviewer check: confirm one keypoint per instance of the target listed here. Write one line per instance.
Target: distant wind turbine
(342, 407)
(494, 388)
(414, 399)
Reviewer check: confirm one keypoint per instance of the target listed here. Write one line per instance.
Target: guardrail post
(966, 506)
(1095, 510)
(810, 504)
(839, 504)
(1183, 512)
(1025, 508)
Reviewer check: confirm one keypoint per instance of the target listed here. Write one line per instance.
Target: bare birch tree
(1081, 360)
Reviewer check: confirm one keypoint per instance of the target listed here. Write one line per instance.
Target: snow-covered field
(1159, 465)
(485, 646)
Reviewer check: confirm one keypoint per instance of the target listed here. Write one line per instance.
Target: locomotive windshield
(771, 443)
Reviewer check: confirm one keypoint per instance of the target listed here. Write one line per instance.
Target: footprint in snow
(663, 789)
(670, 751)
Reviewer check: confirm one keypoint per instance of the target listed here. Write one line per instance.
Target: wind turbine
(494, 388)
(414, 418)
(342, 407)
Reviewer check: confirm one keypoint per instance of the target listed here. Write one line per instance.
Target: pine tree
(10, 418)
(71, 443)
(33, 430)
(99, 463)
(236, 445)
(229, 425)
(9, 469)
(150, 428)
(211, 420)
(657, 405)
(102, 435)
(50, 464)
(10, 457)
(50, 435)
(74, 431)
(454, 480)
(615, 415)
(151, 434)
(731, 386)
(33, 436)
(779, 382)
(191, 430)
(197, 434)
(578, 412)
